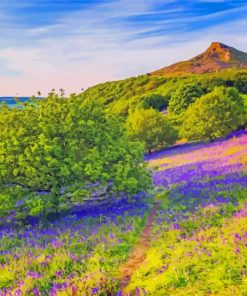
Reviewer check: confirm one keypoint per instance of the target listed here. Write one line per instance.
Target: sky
(74, 44)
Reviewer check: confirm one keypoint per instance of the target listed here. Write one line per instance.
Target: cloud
(112, 40)
(7, 70)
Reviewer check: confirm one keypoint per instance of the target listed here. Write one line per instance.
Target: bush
(185, 95)
(155, 101)
(64, 146)
(152, 128)
(214, 115)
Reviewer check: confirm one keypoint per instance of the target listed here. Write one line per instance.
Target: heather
(197, 244)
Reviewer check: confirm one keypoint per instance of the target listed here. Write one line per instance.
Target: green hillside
(120, 96)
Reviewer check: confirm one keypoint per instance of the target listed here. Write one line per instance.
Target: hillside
(216, 58)
(119, 96)
(219, 65)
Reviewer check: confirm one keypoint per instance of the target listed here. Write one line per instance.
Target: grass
(198, 243)
(245, 100)
(81, 252)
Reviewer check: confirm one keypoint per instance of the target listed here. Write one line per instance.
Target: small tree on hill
(214, 115)
(184, 96)
(152, 128)
(61, 144)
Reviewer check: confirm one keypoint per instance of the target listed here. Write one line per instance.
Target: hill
(216, 58)
(219, 65)
(122, 95)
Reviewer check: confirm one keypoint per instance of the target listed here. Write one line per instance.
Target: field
(195, 244)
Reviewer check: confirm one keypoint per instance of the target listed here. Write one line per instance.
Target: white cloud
(90, 46)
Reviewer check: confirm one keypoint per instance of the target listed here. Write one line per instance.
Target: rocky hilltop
(216, 58)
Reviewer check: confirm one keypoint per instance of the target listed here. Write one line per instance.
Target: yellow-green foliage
(64, 145)
(213, 115)
(150, 127)
(211, 260)
(113, 94)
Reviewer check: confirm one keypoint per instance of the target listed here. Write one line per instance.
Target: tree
(241, 82)
(67, 146)
(152, 128)
(62, 92)
(155, 101)
(185, 95)
(214, 115)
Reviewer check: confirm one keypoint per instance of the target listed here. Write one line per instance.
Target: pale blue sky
(47, 44)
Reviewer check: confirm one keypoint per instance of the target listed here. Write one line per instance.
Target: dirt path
(138, 253)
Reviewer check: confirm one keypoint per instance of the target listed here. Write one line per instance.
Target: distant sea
(10, 101)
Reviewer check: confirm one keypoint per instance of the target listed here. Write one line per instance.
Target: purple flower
(95, 291)
(59, 273)
(237, 251)
(70, 276)
(34, 274)
(18, 292)
(238, 237)
(36, 292)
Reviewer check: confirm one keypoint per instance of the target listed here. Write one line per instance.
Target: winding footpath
(138, 254)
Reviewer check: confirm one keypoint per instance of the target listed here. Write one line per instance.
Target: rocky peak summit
(217, 57)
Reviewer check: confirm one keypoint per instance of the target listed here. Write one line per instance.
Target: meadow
(196, 246)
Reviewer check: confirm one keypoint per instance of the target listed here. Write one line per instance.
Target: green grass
(245, 100)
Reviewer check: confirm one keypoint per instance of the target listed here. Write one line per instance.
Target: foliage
(183, 97)
(152, 128)
(118, 96)
(241, 82)
(155, 101)
(245, 110)
(66, 146)
(214, 115)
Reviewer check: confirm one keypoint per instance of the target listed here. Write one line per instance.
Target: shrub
(214, 115)
(60, 146)
(152, 128)
(185, 95)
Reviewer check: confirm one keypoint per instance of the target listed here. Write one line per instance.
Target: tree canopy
(214, 115)
(155, 101)
(185, 95)
(65, 146)
(152, 128)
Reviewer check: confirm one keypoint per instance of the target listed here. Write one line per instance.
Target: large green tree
(183, 97)
(66, 146)
(214, 115)
(152, 128)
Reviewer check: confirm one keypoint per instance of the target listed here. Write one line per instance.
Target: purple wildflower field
(198, 241)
